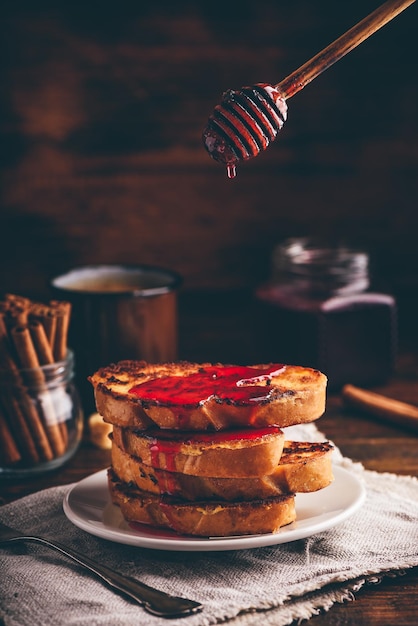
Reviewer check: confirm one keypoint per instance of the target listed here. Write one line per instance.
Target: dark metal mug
(119, 312)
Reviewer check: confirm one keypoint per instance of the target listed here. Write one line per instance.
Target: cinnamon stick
(8, 446)
(40, 342)
(28, 359)
(9, 451)
(46, 357)
(46, 315)
(6, 360)
(62, 311)
(15, 299)
(23, 433)
(382, 407)
(18, 309)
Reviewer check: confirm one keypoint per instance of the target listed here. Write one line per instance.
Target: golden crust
(238, 454)
(203, 518)
(304, 467)
(296, 395)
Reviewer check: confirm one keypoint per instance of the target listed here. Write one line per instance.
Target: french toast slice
(196, 396)
(235, 453)
(202, 518)
(304, 467)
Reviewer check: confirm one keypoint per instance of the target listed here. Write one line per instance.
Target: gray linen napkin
(269, 585)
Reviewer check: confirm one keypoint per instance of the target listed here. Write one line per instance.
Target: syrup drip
(231, 170)
(236, 384)
(167, 445)
(164, 456)
(167, 483)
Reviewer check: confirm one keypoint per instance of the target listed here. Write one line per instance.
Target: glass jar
(318, 311)
(41, 418)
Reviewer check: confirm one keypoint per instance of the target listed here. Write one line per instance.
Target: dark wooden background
(102, 106)
(101, 112)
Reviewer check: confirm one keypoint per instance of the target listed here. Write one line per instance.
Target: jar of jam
(319, 311)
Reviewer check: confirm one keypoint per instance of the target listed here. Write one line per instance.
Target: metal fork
(152, 600)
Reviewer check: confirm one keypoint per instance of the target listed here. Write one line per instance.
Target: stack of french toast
(199, 448)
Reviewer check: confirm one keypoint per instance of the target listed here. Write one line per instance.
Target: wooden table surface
(379, 446)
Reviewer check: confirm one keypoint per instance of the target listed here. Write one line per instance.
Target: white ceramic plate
(88, 506)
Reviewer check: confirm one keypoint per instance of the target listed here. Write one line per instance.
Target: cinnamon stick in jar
(15, 300)
(47, 317)
(8, 448)
(62, 312)
(26, 353)
(40, 343)
(18, 309)
(59, 311)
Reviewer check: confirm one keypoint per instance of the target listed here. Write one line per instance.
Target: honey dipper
(248, 120)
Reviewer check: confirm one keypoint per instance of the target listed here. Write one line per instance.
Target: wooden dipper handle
(390, 410)
(341, 46)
